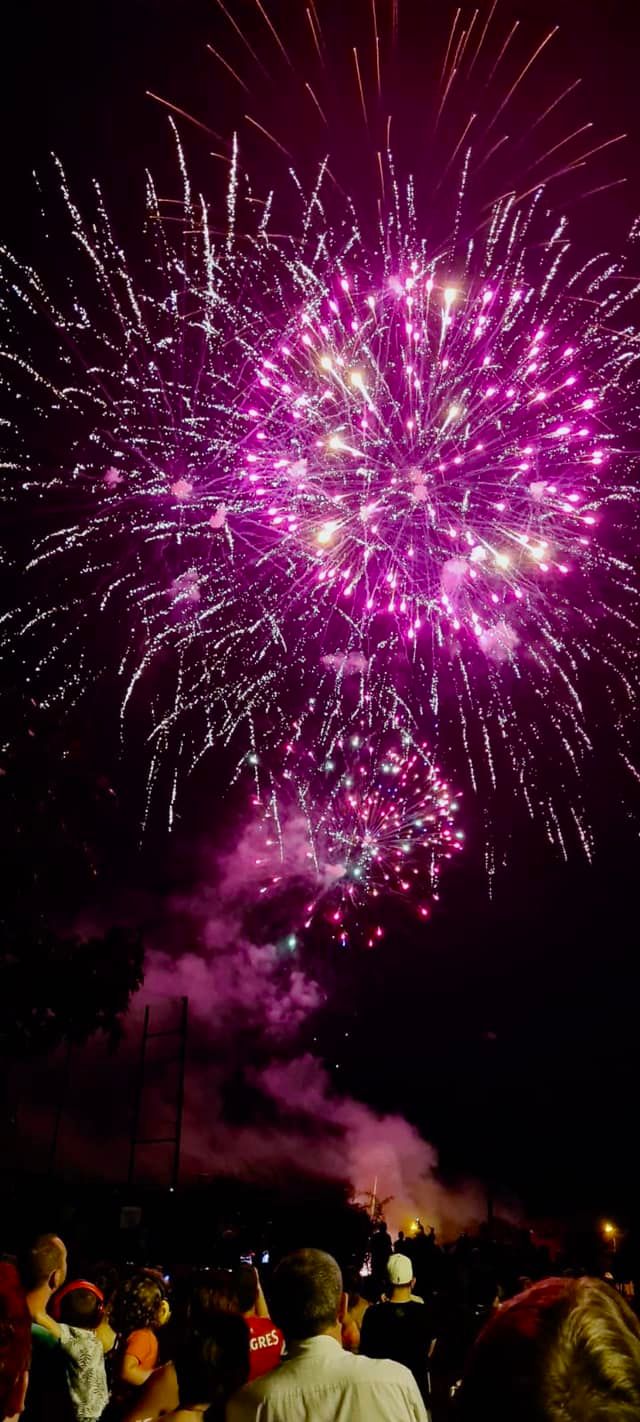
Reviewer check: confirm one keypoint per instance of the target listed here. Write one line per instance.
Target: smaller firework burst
(373, 819)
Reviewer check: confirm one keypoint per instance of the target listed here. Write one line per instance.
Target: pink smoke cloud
(499, 642)
(336, 1137)
(453, 575)
(247, 1002)
(347, 663)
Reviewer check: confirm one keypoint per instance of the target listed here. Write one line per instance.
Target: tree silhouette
(58, 817)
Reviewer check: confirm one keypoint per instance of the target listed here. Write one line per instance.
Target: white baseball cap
(399, 1270)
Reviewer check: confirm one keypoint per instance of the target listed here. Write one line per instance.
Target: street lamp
(611, 1233)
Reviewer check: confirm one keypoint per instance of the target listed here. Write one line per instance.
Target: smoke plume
(247, 1002)
(257, 1106)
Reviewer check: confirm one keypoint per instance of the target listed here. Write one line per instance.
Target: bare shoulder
(158, 1395)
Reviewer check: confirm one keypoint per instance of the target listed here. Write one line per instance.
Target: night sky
(508, 1032)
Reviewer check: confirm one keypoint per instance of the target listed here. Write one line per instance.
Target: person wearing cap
(400, 1327)
(397, 1275)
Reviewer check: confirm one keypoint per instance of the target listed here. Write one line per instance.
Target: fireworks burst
(378, 820)
(391, 475)
(436, 454)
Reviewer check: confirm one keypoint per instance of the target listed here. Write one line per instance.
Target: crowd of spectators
(422, 1332)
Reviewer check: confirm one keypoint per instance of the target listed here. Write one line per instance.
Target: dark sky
(75, 78)
(511, 1038)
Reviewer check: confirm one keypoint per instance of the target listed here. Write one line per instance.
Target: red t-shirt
(265, 1346)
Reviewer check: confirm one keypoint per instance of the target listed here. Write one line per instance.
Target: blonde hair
(566, 1350)
(594, 1362)
(137, 1304)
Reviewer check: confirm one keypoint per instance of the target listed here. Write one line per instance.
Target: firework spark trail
(229, 68)
(390, 476)
(316, 38)
(241, 35)
(318, 105)
(458, 63)
(482, 38)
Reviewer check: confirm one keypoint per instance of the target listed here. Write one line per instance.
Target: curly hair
(566, 1350)
(137, 1304)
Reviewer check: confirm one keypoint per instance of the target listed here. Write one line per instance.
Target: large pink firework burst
(346, 461)
(435, 453)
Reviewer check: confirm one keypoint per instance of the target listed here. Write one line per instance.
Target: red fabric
(265, 1346)
(15, 1341)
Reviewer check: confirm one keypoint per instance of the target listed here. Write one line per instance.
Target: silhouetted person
(381, 1248)
(44, 1270)
(400, 1327)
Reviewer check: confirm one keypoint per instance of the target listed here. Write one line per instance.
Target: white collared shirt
(320, 1382)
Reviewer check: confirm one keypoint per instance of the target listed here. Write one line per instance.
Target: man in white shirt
(318, 1381)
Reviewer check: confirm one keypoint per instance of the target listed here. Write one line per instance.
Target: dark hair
(211, 1366)
(211, 1291)
(15, 1339)
(566, 1350)
(245, 1283)
(137, 1303)
(107, 1278)
(305, 1294)
(81, 1308)
(41, 1260)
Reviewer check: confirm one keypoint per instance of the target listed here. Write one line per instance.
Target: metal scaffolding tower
(159, 1097)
